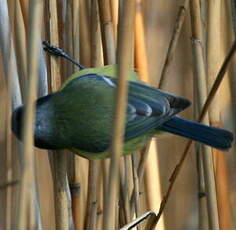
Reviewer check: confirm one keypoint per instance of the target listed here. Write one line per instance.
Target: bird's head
(45, 135)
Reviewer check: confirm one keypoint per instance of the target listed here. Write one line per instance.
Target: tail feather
(214, 137)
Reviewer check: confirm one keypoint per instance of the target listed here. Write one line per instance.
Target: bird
(79, 116)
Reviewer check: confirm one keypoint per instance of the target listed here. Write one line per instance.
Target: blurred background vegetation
(178, 46)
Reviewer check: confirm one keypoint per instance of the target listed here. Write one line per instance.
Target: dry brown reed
(121, 192)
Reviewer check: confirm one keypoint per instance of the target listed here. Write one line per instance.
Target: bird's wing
(148, 107)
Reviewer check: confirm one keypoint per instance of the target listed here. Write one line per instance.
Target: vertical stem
(54, 38)
(124, 56)
(84, 28)
(202, 93)
(96, 56)
(223, 192)
(58, 157)
(214, 59)
(114, 13)
(107, 31)
(20, 45)
(60, 187)
(91, 209)
(28, 176)
(136, 188)
(125, 184)
(140, 44)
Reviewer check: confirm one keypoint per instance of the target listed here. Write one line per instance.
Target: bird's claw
(53, 49)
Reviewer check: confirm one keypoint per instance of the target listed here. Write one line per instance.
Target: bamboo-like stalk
(173, 42)
(124, 56)
(78, 184)
(13, 194)
(54, 38)
(76, 31)
(84, 27)
(136, 187)
(140, 44)
(202, 94)
(202, 202)
(61, 189)
(96, 55)
(107, 31)
(9, 164)
(6, 157)
(214, 53)
(214, 59)
(12, 82)
(152, 175)
(68, 69)
(58, 158)
(153, 190)
(125, 184)
(141, 168)
(20, 44)
(8, 54)
(75, 194)
(92, 204)
(114, 13)
(91, 209)
(233, 12)
(28, 174)
(25, 10)
(222, 191)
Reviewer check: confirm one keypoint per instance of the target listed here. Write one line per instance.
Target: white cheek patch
(109, 82)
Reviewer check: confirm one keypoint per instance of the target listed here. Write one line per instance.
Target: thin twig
(59, 52)
(173, 42)
(139, 220)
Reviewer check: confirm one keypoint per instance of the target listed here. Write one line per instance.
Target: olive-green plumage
(79, 116)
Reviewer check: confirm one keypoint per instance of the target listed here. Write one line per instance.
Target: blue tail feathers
(214, 137)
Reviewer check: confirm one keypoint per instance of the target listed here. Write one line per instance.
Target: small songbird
(79, 116)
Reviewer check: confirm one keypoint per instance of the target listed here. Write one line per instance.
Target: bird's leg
(59, 52)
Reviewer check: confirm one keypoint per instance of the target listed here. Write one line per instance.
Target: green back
(108, 70)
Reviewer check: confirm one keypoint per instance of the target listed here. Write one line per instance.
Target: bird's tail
(214, 137)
